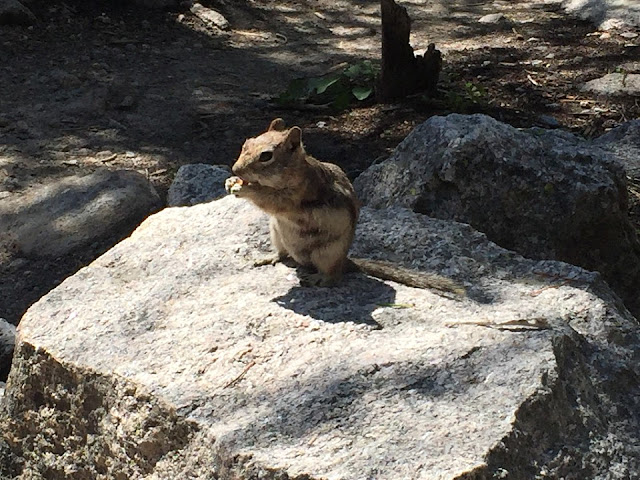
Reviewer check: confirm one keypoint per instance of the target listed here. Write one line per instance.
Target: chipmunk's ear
(294, 137)
(277, 125)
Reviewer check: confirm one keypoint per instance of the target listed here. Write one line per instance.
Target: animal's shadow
(353, 300)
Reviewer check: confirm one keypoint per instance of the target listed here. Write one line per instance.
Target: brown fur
(312, 205)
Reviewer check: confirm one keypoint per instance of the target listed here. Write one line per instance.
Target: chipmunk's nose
(237, 169)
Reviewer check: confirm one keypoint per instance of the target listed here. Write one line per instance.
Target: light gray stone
(542, 193)
(7, 343)
(12, 12)
(76, 211)
(613, 84)
(172, 356)
(197, 183)
(492, 18)
(606, 14)
(210, 17)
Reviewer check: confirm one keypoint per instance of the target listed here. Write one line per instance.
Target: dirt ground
(99, 85)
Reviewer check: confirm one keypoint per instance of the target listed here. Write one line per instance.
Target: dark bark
(402, 72)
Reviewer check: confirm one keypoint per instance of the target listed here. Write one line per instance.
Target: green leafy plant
(475, 93)
(467, 97)
(355, 82)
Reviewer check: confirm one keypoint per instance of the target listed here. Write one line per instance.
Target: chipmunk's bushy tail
(412, 278)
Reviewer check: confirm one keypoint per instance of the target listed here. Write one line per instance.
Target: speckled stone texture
(172, 356)
(197, 183)
(545, 194)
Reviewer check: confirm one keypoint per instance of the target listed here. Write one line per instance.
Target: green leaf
(342, 100)
(361, 93)
(337, 88)
(353, 71)
(320, 84)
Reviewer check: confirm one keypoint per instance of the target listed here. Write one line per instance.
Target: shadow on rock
(340, 304)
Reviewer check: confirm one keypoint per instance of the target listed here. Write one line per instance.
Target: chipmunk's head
(271, 159)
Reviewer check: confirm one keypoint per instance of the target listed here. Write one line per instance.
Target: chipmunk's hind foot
(269, 260)
(308, 279)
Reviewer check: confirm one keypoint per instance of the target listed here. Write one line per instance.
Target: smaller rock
(613, 24)
(77, 211)
(210, 16)
(13, 12)
(548, 121)
(197, 183)
(7, 342)
(630, 67)
(614, 84)
(492, 18)
(624, 143)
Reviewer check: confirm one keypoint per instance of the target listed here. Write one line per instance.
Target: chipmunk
(313, 210)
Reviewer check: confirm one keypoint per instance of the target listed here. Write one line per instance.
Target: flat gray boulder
(606, 14)
(197, 183)
(615, 84)
(75, 212)
(542, 193)
(172, 356)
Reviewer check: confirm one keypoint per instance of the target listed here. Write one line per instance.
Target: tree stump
(402, 73)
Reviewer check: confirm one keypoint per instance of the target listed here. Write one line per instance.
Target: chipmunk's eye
(266, 156)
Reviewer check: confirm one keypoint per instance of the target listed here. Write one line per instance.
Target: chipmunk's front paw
(234, 185)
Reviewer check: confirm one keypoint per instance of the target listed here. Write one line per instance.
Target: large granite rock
(197, 183)
(75, 212)
(623, 143)
(172, 356)
(543, 193)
